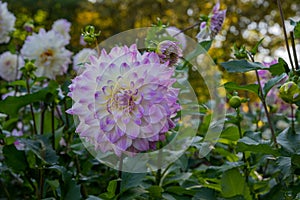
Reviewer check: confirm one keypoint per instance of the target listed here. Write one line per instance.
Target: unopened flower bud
(290, 92)
(235, 102)
(29, 26)
(169, 51)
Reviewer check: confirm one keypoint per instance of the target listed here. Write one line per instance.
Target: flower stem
(187, 28)
(31, 108)
(44, 108)
(293, 121)
(294, 50)
(262, 98)
(118, 190)
(238, 117)
(52, 125)
(285, 34)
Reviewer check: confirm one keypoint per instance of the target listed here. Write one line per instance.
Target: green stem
(78, 168)
(42, 119)
(118, 190)
(285, 34)
(293, 121)
(159, 160)
(31, 107)
(294, 50)
(52, 125)
(238, 117)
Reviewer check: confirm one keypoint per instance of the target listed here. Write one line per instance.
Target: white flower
(62, 26)
(180, 37)
(7, 22)
(81, 58)
(49, 52)
(9, 67)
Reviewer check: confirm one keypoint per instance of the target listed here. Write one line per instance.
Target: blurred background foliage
(246, 23)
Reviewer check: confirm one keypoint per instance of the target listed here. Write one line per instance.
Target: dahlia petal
(123, 143)
(141, 144)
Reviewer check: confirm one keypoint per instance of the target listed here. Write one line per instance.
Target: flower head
(10, 65)
(124, 101)
(49, 52)
(81, 58)
(213, 24)
(169, 52)
(62, 26)
(7, 22)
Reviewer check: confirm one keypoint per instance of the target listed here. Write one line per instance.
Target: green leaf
(155, 191)
(18, 83)
(289, 141)
(179, 190)
(271, 83)
(297, 30)
(131, 180)
(255, 48)
(230, 133)
(11, 105)
(111, 190)
(14, 158)
(249, 144)
(231, 86)
(279, 68)
(233, 184)
(241, 66)
(285, 166)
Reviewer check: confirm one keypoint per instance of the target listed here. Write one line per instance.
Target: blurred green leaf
(271, 83)
(231, 86)
(255, 48)
(279, 68)
(289, 141)
(203, 47)
(297, 30)
(231, 133)
(241, 66)
(249, 144)
(233, 184)
(131, 180)
(14, 158)
(155, 191)
(11, 105)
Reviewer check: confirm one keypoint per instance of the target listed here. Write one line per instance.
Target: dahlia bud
(29, 26)
(290, 92)
(89, 35)
(168, 51)
(235, 102)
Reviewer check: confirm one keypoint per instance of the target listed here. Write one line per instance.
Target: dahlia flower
(124, 101)
(7, 23)
(62, 26)
(81, 58)
(210, 28)
(49, 52)
(10, 65)
(169, 52)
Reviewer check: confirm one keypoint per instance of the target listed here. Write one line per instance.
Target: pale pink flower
(48, 51)
(10, 65)
(63, 27)
(82, 58)
(7, 23)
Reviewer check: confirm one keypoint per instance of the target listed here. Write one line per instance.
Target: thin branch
(188, 28)
(285, 34)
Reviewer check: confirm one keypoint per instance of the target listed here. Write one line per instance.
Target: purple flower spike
(210, 28)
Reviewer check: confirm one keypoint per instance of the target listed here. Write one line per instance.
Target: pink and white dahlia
(10, 65)
(82, 58)
(7, 23)
(63, 27)
(49, 52)
(124, 101)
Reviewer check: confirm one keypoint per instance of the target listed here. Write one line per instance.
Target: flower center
(122, 100)
(46, 56)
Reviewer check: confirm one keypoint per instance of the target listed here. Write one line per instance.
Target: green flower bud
(235, 102)
(290, 92)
